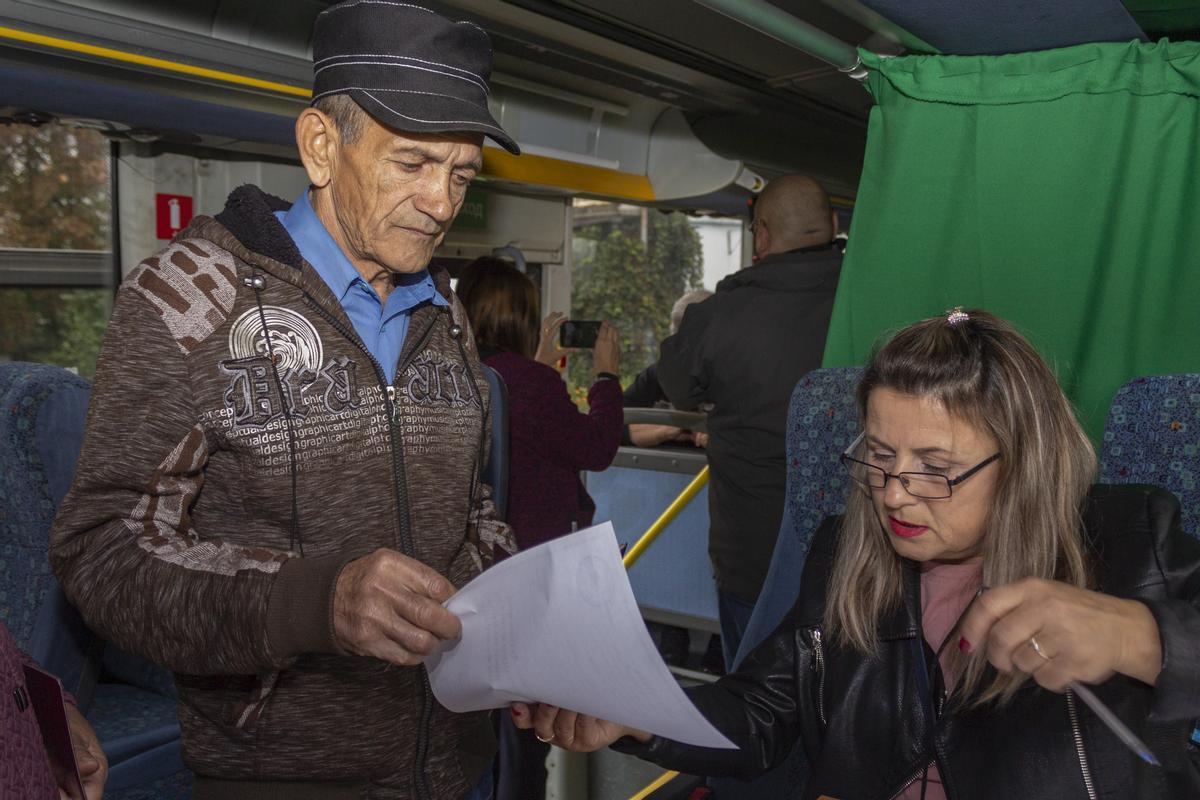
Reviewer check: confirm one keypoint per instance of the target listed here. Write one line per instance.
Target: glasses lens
(865, 474)
(926, 485)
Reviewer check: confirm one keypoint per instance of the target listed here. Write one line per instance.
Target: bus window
(630, 264)
(56, 276)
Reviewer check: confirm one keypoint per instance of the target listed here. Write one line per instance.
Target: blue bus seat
(1153, 436)
(42, 418)
(495, 472)
(42, 413)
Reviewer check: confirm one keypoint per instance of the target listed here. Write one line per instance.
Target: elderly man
(743, 350)
(281, 478)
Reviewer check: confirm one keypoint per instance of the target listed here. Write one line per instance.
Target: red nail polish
(963, 645)
(516, 713)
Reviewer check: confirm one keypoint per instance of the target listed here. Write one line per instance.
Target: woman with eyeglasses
(901, 671)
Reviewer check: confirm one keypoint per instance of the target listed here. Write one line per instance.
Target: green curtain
(1058, 189)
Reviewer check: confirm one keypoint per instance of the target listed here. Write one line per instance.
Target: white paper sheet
(558, 624)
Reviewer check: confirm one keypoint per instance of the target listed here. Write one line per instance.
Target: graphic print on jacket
(331, 412)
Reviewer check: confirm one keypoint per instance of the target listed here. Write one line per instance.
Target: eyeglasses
(925, 485)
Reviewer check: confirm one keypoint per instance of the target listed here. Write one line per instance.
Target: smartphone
(579, 333)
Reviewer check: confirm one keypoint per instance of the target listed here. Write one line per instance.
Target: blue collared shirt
(382, 326)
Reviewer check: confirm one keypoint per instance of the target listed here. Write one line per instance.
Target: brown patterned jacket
(218, 496)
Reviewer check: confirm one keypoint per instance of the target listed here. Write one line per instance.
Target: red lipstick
(904, 529)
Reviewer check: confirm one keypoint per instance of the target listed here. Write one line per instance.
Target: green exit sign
(473, 214)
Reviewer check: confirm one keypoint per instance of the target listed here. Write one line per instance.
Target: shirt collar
(319, 249)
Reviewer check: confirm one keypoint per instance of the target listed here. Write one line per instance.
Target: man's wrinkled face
(395, 194)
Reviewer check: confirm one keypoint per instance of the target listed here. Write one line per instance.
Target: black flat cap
(407, 67)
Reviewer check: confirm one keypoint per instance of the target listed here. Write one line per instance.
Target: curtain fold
(1059, 189)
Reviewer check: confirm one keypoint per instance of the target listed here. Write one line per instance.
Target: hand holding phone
(606, 353)
(579, 333)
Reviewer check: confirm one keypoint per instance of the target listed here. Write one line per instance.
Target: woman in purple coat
(550, 443)
(550, 440)
(25, 770)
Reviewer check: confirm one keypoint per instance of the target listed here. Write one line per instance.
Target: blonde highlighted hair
(986, 373)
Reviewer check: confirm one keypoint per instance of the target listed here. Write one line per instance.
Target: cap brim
(430, 113)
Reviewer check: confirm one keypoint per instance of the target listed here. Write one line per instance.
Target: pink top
(945, 591)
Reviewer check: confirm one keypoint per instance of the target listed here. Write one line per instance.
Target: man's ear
(762, 241)
(834, 223)
(317, 140)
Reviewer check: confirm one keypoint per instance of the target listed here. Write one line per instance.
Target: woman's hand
(548, 351)
(1082, 635)
(570, 730)
(607, 355)
(89, 757)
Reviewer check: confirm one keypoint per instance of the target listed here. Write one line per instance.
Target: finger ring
(538, 736)
(1037, 648)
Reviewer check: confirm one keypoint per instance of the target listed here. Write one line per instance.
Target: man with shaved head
(792, 213)
(742, 351)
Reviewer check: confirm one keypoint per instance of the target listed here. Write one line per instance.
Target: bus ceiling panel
(773, 144)
(680, 165)
(706, 34)
(578, 40)
(282, 27)
(995, 27)
(185, 39)
(888, 38)
(1175, 19)
(137, 110)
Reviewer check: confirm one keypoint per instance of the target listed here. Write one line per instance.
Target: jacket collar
(249, 229)
(794, 271)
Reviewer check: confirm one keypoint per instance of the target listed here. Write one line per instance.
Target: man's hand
(89, 757)
(389, 606)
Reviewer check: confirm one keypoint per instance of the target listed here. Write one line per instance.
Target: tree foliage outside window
(631, 283)
(54, 194)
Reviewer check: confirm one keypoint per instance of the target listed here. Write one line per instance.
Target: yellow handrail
(658, 783)
(664, 520)
(635, 553)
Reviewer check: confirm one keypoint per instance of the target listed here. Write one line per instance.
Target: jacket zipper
(424, 731)
(941, 705)
(912, 778)
(819, 666)
(404, 523)
(1078, 736)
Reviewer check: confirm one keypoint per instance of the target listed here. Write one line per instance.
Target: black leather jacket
(867, 731)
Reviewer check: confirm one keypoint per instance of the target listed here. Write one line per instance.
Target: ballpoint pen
(1105, 714)
(1085, 694)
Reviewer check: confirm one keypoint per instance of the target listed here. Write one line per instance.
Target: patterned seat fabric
(1153, 436)
(42, 411)
(28, 506)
